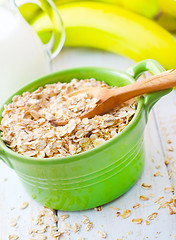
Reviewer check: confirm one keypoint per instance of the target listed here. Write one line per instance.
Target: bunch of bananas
(121, 26)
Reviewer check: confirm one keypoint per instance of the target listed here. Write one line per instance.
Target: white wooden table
(161, 127)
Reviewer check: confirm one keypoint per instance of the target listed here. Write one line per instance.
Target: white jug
(23, 57)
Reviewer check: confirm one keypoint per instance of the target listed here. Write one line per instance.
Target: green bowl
(98, 176)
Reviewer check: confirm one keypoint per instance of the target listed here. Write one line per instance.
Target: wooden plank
(166, 120)
(12, 195)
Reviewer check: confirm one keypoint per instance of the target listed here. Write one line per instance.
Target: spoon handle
(155, 83)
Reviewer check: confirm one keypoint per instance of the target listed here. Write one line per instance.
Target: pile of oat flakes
(27, 124)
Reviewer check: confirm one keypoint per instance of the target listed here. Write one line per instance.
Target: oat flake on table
(27, 124)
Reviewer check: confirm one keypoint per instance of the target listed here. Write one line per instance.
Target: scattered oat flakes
(169, 189)
(41, 237)
(98, 209)
(13, 222)
(152, 216)
(57, 235)
(159, 200)
(115, 208)
(89, 226)
(174, 200)
(157, 166)
(158, 173)
(80, 238)
(5, 179)
(24, 205)
(147, 222)
(137, 220)
(126, 213)
(152, 194)
(76, 227)
(169, 141)
(88, 223)
(66, 227)
(170, 149)
(167, 160)
(170, 210)
(144, 198)
(64, 216)
(146, 186)
(136, 205)
(13, 237)
(102, 234)
(165, 204)
(86, 220)
(117, 214)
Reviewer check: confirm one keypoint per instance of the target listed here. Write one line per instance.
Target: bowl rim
(82, 155)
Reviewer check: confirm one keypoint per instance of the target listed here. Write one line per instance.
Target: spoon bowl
(109, 98)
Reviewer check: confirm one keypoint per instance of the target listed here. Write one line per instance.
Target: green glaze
(95, 177)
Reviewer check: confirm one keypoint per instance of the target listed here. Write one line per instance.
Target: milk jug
(23, 57)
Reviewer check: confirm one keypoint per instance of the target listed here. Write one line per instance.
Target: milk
(22, 55)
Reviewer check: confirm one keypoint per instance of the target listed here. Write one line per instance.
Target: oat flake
(64, 216)
(126, 213)
(136, 205)
(144, 198)
(24, 205)
(13, 237)
(13, 222)
(146, 186)
(152, 216)
(102, 234)
(137, 220)
(169, 189)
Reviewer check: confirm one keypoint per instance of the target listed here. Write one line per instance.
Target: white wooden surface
(161, 127)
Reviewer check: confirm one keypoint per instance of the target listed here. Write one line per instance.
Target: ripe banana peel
(149, 8)
(168, 6)
(167, 21)
(111, 28)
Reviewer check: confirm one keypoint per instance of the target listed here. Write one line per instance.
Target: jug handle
(57, 41)
(155, 68)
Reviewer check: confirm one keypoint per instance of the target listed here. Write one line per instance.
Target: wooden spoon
(111, 98)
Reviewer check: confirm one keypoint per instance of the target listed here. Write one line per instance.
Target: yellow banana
(167, 21)
(147, 8)
(108, 27)
(168, 6)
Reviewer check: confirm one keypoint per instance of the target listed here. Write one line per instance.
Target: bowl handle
(155, 68)
(5, 159)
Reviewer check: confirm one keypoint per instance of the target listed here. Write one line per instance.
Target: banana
(149, 8)
(168, 6)
(167, 21)
(111, 28)
(29, 11)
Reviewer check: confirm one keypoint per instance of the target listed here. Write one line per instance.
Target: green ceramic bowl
(98, 176)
